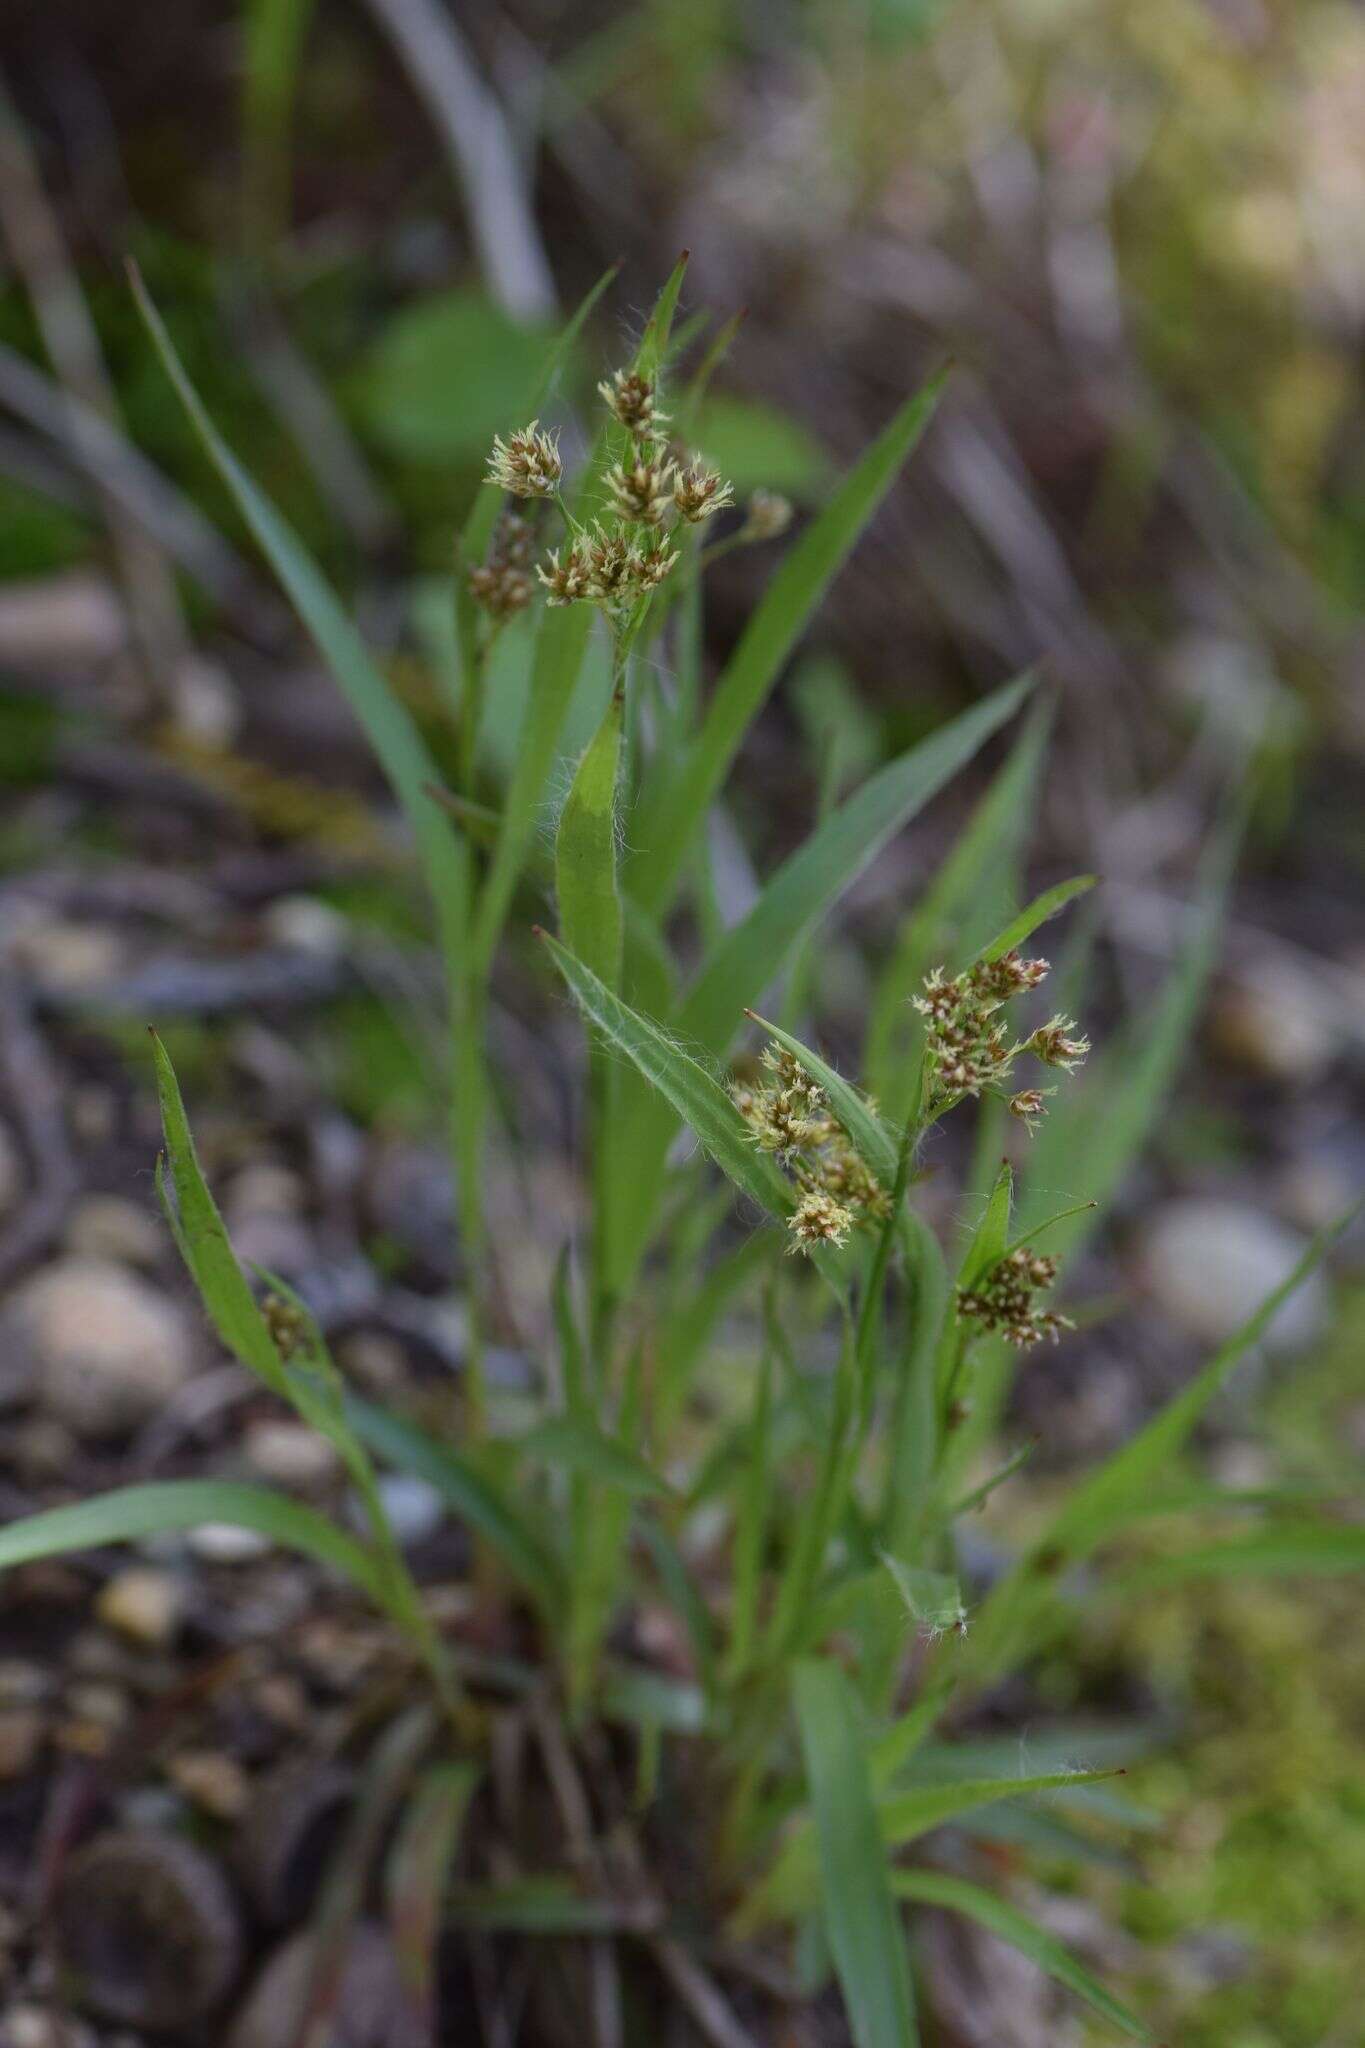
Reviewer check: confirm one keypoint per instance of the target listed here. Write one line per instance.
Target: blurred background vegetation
(1140, 233)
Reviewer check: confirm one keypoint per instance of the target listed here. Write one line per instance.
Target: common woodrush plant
(743, 1600)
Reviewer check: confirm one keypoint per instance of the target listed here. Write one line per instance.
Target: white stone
(228, 1543)
(1209, 1264)
(107, 1349)
(108, 1227)
(143, 1604)
(290, 1453)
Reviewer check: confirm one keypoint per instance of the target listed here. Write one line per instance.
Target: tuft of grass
(800, 1529)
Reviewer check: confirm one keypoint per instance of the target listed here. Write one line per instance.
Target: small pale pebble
(373, 1361)
(68, 958)
(308, 924)
(226, 1543)
(142, 1604)
(211, 1781)
(108, 1227)
(290, 1453)
(1208, 1263)
(23, 1684)
(414, 1508)
(105, 1705)
(108, 1350)
(21, 1738)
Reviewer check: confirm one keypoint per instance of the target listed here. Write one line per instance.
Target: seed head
(1054, 1045)
(997, 981)
(818, 1219)
(527, 464)
(1002, 1301)
(1027, 1105)
(767, 515)
(641, 489)
(500, 590)
(631, 399)
(699, 491)
(568, 577)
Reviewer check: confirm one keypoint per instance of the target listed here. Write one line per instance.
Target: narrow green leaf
(935, 1888)
(561, 348)
(751, 954)
(590, 919)
(417, 1874)
(653, 350)
(577, 1445)
(539, 1905)
(987, 1247)
(561, 643)
(963, 903)
(409, 1448)
(203, 1241)
(1310, 1548)
(396, 741)
(751, 1522)
(1098, 1125)
(1138, 1470)
(791, 1884)
(864, 1927)
(135, 1511)
(875, 1145)
(696, 1095)
(787, 605)
(1037, 913)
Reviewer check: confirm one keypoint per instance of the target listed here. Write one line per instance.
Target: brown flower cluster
(968, 1044)
(1003, 1299)
(789, 1116)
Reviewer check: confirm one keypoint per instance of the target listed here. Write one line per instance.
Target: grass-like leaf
(1036, 913)
(962, 904)
(401, 751)
(486, 1510)
(958, 1895)
(785, 610)
(875, 1145)
(754, 952)
(694, 1094)
(1283, 1551)
(203, 1240)
(590, 919)
(865, 1933)
(135, 1511)
(791, 1884)
(1101, 1503)
(575, 1444)
(561, 642)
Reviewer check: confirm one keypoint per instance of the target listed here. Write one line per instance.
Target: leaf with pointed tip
(1036, 913)
(864, 1927)
(957, 1895)
(135, 1511)
(787, 605)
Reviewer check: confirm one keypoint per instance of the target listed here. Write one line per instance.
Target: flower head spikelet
(766, 515)
(1057, 1045)
(1027, 1105)
(527, 464)
(641, 488)
(501, 584)
(566, 574)
(631, 400)
(1002, 1301)
(819, 1219)
(789, 1116)
(698, 492)
(967, 1042)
